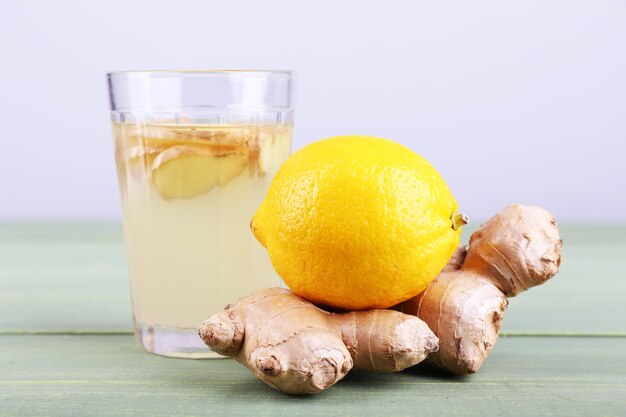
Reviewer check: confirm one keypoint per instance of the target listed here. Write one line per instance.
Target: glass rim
(202, 72)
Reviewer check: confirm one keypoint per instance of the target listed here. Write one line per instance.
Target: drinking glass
(195, 153)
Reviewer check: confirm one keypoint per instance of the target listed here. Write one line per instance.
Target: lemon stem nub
(458, 220)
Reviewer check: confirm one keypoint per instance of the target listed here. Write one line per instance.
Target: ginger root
(516, 249)
(297, 348)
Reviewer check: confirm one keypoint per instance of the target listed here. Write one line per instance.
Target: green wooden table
(66, 346)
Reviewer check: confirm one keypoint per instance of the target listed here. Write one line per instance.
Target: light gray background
(512, 101)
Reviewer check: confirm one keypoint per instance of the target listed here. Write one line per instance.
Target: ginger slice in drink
(254, 151)
(272, 150)
(262, 150)
(233, 135)
(266, 151)
(139, 159)
(185, 171)
(221, 140)
(225, 138)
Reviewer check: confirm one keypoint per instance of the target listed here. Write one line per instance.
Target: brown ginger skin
(297, 348)
(516, 249)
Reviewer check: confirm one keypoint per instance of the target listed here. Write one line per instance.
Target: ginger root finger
(465, 312)
(223, 332)
(297, 348)
(400, 342)
(516, 249)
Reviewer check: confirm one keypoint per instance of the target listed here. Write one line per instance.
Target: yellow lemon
(357, 222)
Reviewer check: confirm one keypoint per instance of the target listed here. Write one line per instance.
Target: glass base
(172, 342)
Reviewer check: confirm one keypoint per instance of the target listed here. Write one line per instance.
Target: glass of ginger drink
(195, 153)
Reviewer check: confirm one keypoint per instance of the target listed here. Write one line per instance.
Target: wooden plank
(72, 276)
(108, 375)
(63, 277)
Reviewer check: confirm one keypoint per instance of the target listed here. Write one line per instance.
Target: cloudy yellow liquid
(188, 194)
